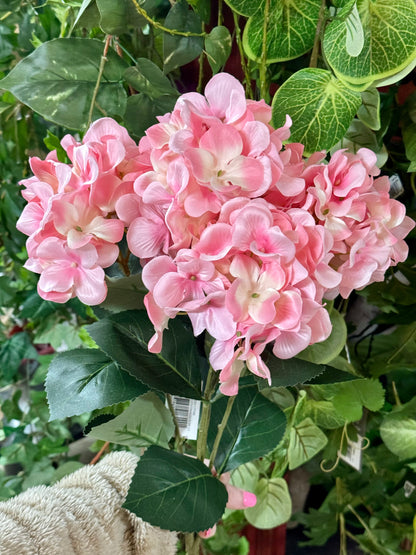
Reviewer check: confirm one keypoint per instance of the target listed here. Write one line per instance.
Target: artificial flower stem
(210, 385)
(221, 428)
(244, 67)
(100, 74)
(192, 544)
(264, 86)
(178, 437)
(321, 21)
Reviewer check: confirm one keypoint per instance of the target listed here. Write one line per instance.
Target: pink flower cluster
(241, 234)
(70, 217)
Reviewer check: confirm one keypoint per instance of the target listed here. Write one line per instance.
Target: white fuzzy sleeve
(81, 515)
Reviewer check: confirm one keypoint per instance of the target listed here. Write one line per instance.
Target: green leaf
(274, 505)
(176, 369)
(254, 428)
(350, 398)
(218, 47)
(180, 50)
(175, 492)
(290, 27)
(57, 81)
(306, 440)
(409, 139)
(357, 136)
(60, 335)
(122, 293)
(398, 431)
(369, 111)
(389, 41)
(324, 414)
(355, 33)
(116, 17)
(141, 111)
(321, 108)
(326, 351)
(294, 371)
(86, 379)
(145, 422)
(12, 353)
(6, 292)
(245, 477)
(146, 77)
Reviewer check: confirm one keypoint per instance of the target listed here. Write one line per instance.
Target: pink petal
(226, 97)
(215, 241)
(147, 238)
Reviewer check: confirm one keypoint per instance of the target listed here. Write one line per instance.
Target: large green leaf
(57, 80)
(147, 78)
(274, 505)
(145, 422)
(86, 379)
(321, 108)
(389, 41)
(124, 292)
(175, 492)
(290, 27)
(306, 440)
(398, 431)
(179, 50)
(176, 369)
(294, 371)
(254, 428)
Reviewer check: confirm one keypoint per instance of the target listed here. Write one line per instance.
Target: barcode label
(409, 488)
(353, 456)
(187, 415)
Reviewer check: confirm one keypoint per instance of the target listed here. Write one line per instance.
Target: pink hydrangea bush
(244, 235)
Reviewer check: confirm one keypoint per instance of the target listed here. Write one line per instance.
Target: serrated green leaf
(306, 440)
(290, 27)
(179, 50)
(294, 371)
(350, 398)
(218, 47)
(325, 351)
(176, 369)
(254, 428)
(389, 41)
(60, 335)
(57, 80)
(175, 492)
(146, 77)
(86, 379)
(274, 505)
(146, 421)
(369, 111)
(321, 108)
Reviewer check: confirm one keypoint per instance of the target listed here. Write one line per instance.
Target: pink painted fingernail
(249, 499)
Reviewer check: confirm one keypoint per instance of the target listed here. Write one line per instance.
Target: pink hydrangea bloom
(244, 235)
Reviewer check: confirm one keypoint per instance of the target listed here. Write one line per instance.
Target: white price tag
(187, 415)
(353, 456)
(396, 185)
